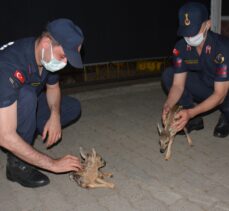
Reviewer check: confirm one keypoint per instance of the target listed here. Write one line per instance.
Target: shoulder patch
(176, 52)
(19, 76)
(219, 59)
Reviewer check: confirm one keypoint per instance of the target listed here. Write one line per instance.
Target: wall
(114, 30)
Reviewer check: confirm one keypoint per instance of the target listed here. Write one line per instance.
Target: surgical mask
(53, 65)
(196, 40)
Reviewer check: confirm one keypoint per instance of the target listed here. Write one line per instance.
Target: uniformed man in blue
(27, 67)
(199, 77)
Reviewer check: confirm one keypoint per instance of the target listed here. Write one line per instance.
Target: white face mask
(196, 40)
(53, 65)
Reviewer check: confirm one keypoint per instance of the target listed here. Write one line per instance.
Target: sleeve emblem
(176, 52)
(19, 76)
(219, 59)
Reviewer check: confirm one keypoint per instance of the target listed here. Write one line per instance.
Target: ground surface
(120, 123)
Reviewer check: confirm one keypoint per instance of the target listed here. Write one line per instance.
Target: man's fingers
(44, 134)
(71, 157)
(49, 143)
(78, 167)
(75, 169)
(67, 163)
(50, 140)
(75, 161)
(58, 137)
(180, 125)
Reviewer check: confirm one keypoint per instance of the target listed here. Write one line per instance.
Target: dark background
(114, 30)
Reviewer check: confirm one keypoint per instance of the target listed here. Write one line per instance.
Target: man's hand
(66, 163)
(53, 129)
(183, 117)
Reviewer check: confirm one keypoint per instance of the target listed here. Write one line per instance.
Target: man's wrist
(191, 113)
(52, 165)
(55, 113)
(167, 106)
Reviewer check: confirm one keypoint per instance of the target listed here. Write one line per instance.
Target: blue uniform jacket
(18, 68)
(212, 64)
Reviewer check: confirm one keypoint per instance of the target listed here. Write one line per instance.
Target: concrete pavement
(120, 123)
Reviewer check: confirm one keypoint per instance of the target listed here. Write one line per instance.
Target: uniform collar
(207, 48)
(30, 55)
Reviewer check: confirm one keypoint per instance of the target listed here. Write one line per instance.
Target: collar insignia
(188, 48)
(208, 49)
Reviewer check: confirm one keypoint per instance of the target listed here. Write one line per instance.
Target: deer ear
(93, 152)
(159, 128)
(82, 153)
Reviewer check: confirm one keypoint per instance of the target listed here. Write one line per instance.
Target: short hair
(47, 34)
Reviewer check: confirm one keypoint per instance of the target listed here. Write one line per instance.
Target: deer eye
(167, 142)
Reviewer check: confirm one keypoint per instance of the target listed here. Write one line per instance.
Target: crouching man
(199, 78)
(27, 67)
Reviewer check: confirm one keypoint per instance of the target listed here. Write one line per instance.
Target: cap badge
(186, 20)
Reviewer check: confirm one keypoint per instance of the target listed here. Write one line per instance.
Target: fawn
(167, 134)
(91, 176)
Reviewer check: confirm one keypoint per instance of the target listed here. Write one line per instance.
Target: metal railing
(114, 71)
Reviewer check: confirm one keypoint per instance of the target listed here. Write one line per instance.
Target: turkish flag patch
(19, 76)
(176, 52)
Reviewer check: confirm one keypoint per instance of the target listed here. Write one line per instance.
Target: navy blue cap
(70, 37)
(191, 17)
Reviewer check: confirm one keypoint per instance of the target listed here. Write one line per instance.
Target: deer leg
(98, 185)
(103, 175)
(188, 136)
(168, 152)
(104, 183)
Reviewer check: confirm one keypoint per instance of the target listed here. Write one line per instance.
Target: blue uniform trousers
(195, 90)
(33, 112)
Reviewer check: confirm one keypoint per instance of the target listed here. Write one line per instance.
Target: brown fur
(167, 134)
(91, 175)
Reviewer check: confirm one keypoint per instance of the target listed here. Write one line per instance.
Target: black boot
(222, 128)
(195, 123)
(23, 173)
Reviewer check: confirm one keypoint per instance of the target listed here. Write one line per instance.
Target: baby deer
(167, 134)
(91, 176)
